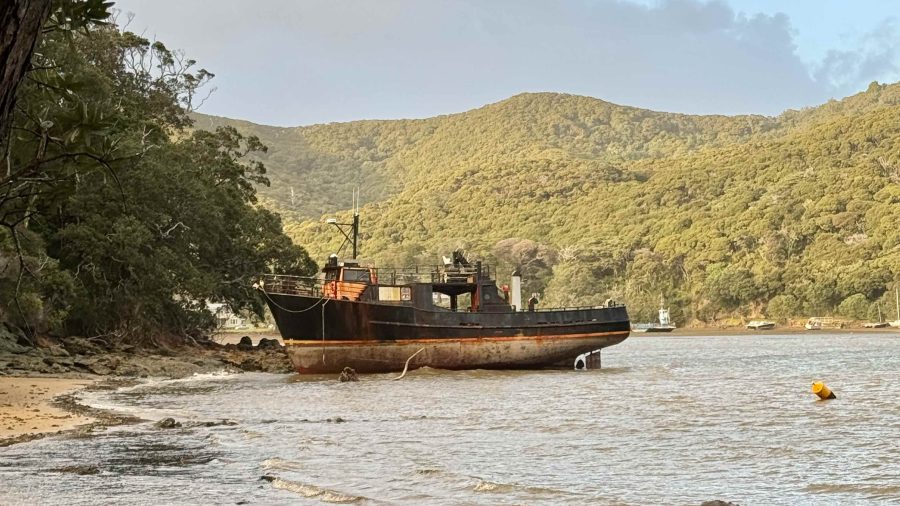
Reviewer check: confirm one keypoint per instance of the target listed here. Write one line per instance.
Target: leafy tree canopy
(118, 220)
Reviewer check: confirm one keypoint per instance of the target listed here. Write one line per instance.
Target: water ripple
(669, 420)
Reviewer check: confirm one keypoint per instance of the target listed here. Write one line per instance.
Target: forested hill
(717, 216)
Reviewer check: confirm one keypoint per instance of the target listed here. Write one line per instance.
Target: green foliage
(118, 220)
(71, 15)
(855, 307)
(728, 286)
(712, 216)
(535, 262)
(782, 307)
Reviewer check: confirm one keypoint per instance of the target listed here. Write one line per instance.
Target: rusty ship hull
(324, 335)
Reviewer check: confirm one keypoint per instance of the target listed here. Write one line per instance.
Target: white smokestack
(517, 289)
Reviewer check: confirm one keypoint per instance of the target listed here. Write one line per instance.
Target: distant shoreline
(711, 331)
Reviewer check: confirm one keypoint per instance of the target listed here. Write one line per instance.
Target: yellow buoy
(822, 391)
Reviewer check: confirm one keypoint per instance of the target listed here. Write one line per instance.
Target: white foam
(312, 491)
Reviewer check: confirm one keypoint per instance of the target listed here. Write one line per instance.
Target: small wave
(203, 376)
(490, 486)
(314, 492)
(880, 491)
(281, 464)
(502, 488)
(159, 381)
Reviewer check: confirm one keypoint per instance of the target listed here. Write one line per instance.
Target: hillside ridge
(719, 216)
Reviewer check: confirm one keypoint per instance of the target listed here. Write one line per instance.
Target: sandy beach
(26, 406)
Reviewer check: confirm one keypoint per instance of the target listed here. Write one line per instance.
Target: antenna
(355, 221)
(353, 236)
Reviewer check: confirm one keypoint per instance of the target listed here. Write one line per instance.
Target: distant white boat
(761, 325)
(824, 322)
(664, 325)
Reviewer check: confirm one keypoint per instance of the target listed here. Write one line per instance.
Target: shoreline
(31, 407)
(39, 385)
(42, 406)
(35, 405)
(778, 330)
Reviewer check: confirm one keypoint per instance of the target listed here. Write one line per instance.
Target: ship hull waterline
(323, 337)
(316, 357)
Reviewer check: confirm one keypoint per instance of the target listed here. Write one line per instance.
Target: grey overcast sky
(299, 62)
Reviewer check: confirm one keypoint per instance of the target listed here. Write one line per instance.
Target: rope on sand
(405, 367)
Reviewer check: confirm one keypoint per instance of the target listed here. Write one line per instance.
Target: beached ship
(375, 319)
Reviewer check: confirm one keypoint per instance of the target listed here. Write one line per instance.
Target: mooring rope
(279, 306)
(324, 297)
(323, 331)
(405, 367)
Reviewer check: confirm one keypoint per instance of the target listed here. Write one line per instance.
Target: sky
(301, 62)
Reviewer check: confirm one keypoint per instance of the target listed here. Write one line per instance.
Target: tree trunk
(20, 26)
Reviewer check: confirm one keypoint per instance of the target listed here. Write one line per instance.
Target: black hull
(325, 335)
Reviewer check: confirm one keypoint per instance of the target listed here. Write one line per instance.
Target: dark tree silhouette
(20, 26)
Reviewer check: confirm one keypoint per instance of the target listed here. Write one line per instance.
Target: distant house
(225, 317)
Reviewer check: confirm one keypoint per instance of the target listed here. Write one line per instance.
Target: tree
(534, 260)
(728, 286)
(188, 236)
(20, 25)
(855, 307)
(574, 283)
(123, 221)
(782, 307)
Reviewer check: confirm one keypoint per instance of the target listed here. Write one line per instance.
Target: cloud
(287, 62)
(875, 57)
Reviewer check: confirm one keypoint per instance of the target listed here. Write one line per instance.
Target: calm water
(669, 420)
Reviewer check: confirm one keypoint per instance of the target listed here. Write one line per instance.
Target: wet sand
(26, 407)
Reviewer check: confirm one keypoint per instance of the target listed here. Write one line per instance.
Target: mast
(353, 236)
(355, 222)
(897, 293)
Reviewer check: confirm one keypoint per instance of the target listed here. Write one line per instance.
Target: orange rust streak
(370, 342)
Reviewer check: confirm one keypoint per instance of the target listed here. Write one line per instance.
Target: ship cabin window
(356, 275)
(330, 275)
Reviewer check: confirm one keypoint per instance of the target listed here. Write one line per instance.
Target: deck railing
(313, 287)
(392, 276)
(430, 274)
(291, 285)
